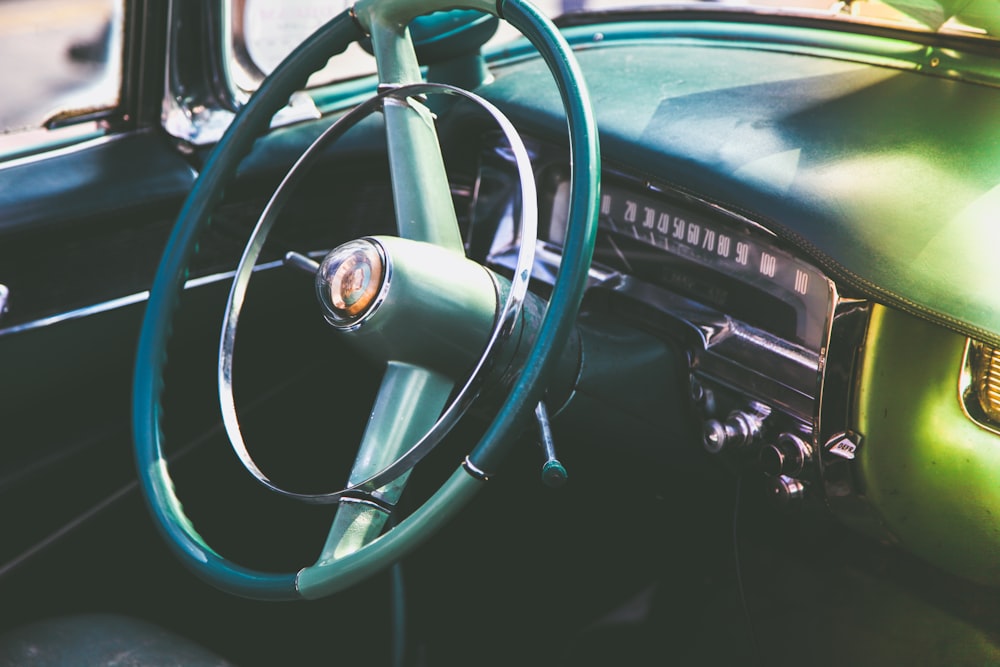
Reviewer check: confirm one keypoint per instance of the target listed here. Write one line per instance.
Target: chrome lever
(553, 472)
(299, 261)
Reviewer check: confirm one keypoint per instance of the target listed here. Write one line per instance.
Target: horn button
(350, 282)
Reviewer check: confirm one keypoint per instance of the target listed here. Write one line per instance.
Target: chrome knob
(740, 429)
(715, 437)
(787, 456)
(785, 489)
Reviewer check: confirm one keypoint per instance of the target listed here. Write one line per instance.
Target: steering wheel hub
(352, 282)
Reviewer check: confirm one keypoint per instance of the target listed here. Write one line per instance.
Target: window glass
(264, 31)
(61, 60)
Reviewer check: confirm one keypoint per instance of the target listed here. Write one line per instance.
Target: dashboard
(754, 317)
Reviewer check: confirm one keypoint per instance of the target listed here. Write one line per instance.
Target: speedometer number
(742, 253)
(679, 228)
(649, 217)
(631, 211)
(801, 281)
(708, 241)
(663, 224)
(768, 264)
(723, 247)
(694, 233)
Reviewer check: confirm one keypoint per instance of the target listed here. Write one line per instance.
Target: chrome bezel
(348, 325)
(967, 397)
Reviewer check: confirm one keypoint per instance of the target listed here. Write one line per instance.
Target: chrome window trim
(197, 123)
(242, 76)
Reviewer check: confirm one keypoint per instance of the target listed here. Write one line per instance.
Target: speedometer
(731, 266)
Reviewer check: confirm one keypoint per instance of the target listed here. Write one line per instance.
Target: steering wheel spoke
(424, 210)
(409, 402)
(420, 189)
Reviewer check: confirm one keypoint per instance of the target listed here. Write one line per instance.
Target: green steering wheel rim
(252, 121)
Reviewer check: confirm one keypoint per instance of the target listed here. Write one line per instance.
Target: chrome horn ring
(503, 326)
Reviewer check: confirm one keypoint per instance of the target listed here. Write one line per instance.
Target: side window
(61, 62)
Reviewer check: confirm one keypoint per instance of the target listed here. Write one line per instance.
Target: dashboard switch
(787, 456)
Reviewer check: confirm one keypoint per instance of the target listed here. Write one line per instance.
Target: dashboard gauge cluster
(718, 262)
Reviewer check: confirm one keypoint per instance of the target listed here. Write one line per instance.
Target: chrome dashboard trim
(838, 464)
(668, 191)
(729, 349)
(87, 141)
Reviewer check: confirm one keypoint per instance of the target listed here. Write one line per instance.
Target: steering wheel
(371, 290)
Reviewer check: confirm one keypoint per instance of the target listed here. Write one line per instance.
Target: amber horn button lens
(350, 280)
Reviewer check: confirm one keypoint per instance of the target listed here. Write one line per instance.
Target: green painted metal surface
(927, 468)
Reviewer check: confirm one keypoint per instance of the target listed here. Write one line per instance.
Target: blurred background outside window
(58, 59)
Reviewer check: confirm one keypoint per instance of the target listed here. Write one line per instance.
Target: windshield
(264, 31)
(977, 16)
